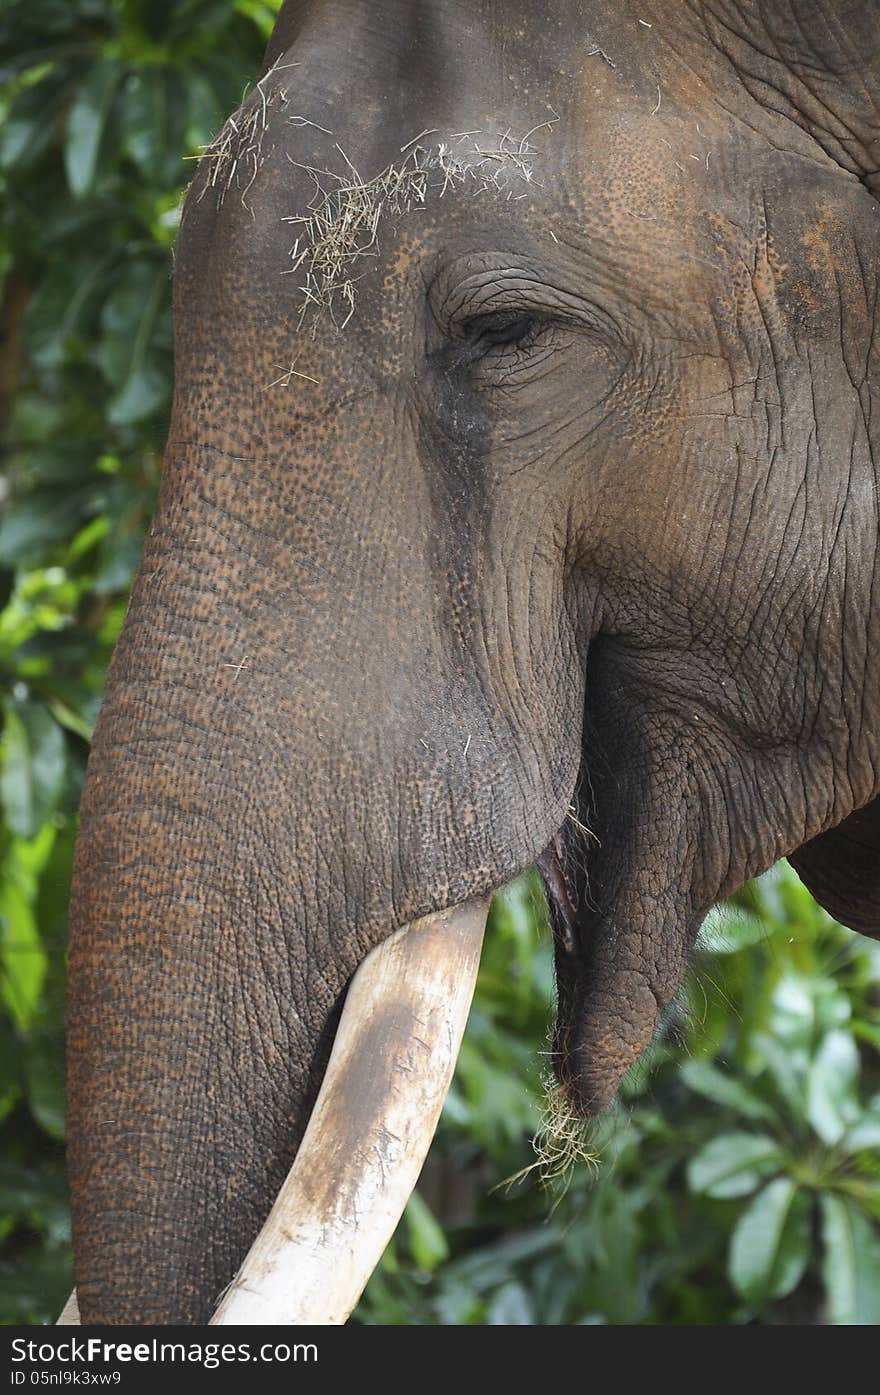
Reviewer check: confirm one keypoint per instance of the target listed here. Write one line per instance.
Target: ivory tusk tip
(69, 1315)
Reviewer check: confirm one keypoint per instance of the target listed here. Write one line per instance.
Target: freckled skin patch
(580, 509)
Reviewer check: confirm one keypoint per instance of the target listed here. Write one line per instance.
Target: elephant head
(523, 464)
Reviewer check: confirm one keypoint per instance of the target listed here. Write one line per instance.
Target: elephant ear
(842, 869)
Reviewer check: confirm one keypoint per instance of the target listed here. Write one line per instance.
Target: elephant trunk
(241, 851)
(198, 1034)
(187, 1095)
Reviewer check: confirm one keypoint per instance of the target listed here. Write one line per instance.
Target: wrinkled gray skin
(582, 508)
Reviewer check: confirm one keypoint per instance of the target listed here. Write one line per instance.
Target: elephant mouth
(561, 893)
(564, 867)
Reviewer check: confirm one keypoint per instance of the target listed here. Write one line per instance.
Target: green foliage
(739, 1178)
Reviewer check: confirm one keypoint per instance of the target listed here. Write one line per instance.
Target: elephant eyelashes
(501, 328)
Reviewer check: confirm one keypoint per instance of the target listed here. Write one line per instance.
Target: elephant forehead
(620, 156)
(358, 122)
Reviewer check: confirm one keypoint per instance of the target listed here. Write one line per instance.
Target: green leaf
(851, 1266)
(831, 1093)
(725, 1090)
(728, 929)
(119, 555)
(510, 1307)
(206, 113)
(28, 127)
(36, 523)
(44, 1073)
(144, 115)
(130, 351)
(734, 1164)
(23, 962)
(143, 392)
(427, 1242)
(62, 305)
(262, 14)
(72, 721)
(865, 1132)
(794, 1011)
(770, 1245)
(155, 114)
(787, 1068)
(33, 766)
(189, 15)
(10, 1065)
(24, 1190)
(86, 124)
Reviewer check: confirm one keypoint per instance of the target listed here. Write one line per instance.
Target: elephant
(519, 505)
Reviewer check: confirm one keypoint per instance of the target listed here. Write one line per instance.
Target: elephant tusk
(69, 1315)
(370, 1130)
(371, 1127)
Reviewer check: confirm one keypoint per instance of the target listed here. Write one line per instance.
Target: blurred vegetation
(739, 1178)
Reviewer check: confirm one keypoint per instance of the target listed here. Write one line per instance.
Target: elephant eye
(501, 327)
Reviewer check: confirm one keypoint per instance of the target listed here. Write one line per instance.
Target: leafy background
(739, 1178)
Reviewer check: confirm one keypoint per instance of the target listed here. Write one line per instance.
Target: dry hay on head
(342, 220)
(236, 156)
(341, 225)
